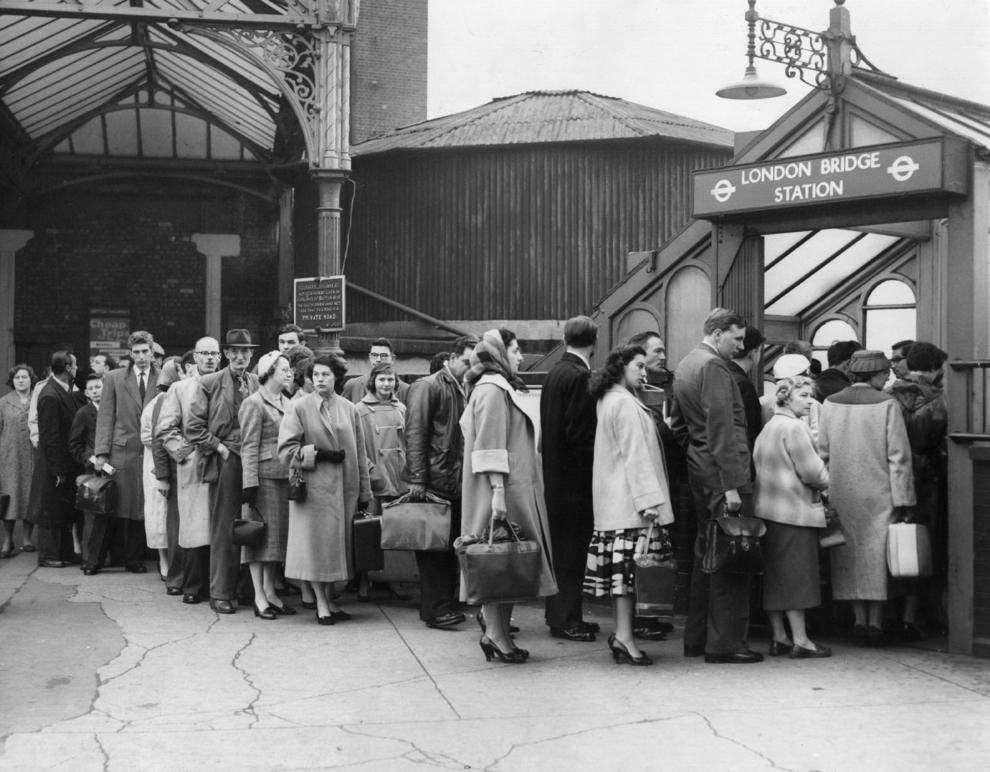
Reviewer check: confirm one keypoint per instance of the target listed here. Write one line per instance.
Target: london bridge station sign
(876, 171)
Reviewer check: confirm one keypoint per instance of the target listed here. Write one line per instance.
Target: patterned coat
(789, 473)
(16, 455)
(863, 440)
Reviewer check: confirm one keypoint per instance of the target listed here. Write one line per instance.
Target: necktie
(141, 385)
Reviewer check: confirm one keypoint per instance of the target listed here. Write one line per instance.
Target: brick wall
(127, 245)
(388, 67)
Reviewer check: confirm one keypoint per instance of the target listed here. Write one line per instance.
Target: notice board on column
(318, 303)
(109, 329)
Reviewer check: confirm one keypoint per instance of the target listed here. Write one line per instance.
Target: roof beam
(81, 43)
(175, 16)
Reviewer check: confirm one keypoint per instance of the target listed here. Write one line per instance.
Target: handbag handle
(254, 509)
(645, 542)
(404, 499)
(508, 525)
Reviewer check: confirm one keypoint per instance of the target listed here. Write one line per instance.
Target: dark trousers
(196, 571)
(55, 542)
(570, 534)
(123, 537)
(175, 577)
(94, 551)
(225, 506)
(718, 606)
(438, 573)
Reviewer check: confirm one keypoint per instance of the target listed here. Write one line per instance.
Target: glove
(250, 495)
(417, 492)
(333, 456)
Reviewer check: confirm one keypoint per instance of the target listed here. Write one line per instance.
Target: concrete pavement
(109, 673)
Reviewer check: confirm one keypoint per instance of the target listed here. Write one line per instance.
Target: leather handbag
(499, 571)
(656, 577)
(909, 550)
(297, 486)
(733, 545)
(367, 537)
(96, 494)
(416, 525)
(833, 534)
(249, 532)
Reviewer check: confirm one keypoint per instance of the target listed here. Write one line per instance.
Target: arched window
(890, 315)
(828, 333)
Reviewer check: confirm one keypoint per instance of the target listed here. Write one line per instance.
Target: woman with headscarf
(265, 480)
(321, 437)
(502, 477)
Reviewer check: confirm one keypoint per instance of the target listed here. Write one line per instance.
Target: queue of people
(293, 443)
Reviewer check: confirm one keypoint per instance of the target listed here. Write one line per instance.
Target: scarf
(490, 356)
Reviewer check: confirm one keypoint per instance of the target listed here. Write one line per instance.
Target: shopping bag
(416, 525)
(656, 577)
(909, 550)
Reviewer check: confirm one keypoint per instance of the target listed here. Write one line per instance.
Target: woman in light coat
(790, 476)
(863, 439)
(629, 494)
(265, 481)
(321, 436)
(502, 477)
(16, 453)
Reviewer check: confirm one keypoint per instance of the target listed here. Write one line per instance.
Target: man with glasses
(118, 443)
(189, 539)
(898, 358)
(381, 351)
(214, 428)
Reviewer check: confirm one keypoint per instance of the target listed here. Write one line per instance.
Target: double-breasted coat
(499, 437)
(16, 455)
(320, 528)
(56, 408)
(118, 436)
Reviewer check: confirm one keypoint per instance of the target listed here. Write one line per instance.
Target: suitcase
(368, 555)
(909, 550)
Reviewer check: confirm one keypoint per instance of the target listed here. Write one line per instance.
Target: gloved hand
(417, 492)
(250, 495)
(333, 456)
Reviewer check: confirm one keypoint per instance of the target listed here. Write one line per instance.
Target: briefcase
(909, 550)
(96, 493)
(416, 525)
(733, 545)
(367, 535)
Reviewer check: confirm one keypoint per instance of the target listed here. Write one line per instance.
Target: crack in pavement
(103, 752)
(249, 709)
(415, 754)
(742, 745)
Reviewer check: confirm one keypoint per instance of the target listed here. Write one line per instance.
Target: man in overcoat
(118, 442)
(434, 456)
(709, 420)
(567, 424)
(57, 470)
(213, 427)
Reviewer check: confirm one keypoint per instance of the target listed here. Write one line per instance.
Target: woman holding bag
(502, 478)
(630, 494)
(790, 476)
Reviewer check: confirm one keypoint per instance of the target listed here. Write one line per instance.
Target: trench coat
(118, 436)
(155, 505)
(499, 437)
(863, 440)
(56, 409)
(319, 547)
(16, 455)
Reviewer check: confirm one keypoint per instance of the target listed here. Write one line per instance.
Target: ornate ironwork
(803, 53)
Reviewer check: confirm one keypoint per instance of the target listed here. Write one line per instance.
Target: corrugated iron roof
(537, 117)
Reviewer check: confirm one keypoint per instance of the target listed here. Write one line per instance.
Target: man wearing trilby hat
(214, 429)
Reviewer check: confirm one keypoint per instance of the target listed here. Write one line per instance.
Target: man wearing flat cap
(863, 440)
(214, 429)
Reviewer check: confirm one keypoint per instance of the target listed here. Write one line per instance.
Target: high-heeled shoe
(282, 611)
(268, 613)
(514, 657)
(339, 616)
(324, 620)
(622, 656)
(513, 629)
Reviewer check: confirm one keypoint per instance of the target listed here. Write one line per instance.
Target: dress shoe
(324, 620)
(778, 649)
(652, 623)
(91, 570)
(191, 599)
(693, 651)
(340, 616)
(445, 620)
(817, 652)
(283, 611)
(29, 548)
(222, 606)
(76, 559)
(268, 613)
(490, 649)
(572, 634)
(308, 604)
(622, 656)
(648, 634)
(735, 658)
(136, 568)
(173, 591)
(45, 563)
(589, 627)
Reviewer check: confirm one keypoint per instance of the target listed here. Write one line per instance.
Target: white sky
(673, 55)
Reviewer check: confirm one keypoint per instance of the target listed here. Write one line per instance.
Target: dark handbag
(367, 537)
(656, 578)
(96, 493)
(249, 532)
(733, 545)
(416, 525)
(297, 486)
(499, 571)
(833, 534)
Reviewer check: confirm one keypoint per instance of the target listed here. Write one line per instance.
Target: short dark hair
(382, 342)
(751, 340)
(187, 359)
(376, 370)
(723, 319)
(463, 342)
(16, 369)
(901, 344)
(94, 377)
(286, 329)
(842, 350)
(61, 361)
(336, 363)
(438, 361)
(640, 338)
(925, 356)
(580, 332)
(140, 336)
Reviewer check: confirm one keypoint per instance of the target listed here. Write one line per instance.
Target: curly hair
(787, 386)
(615, 365)
(16, 369)
(336, 363)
